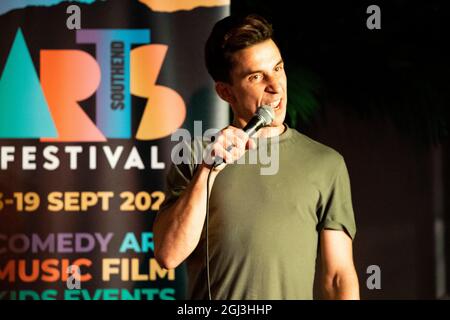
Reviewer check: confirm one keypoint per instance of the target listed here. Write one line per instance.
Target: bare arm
(338, 278)
(178, 228)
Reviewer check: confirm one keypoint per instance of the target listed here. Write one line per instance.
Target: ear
(225, 93)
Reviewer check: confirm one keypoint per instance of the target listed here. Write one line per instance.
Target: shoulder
(187, 155)
(313, 159)
(315, 150)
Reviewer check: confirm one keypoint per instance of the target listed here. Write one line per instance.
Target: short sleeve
(180, 175)
(176, 183)
(336, 209)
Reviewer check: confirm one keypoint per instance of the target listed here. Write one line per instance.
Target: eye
(279, 67)
(255, 77)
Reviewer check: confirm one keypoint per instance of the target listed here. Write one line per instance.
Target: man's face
(258, 78)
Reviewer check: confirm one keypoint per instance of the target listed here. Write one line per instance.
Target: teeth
(275, 103)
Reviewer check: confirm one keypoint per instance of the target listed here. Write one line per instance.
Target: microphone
(263, 117)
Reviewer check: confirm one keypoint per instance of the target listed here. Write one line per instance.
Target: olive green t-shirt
(264, 229)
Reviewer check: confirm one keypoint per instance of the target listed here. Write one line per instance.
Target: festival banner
(90, 93)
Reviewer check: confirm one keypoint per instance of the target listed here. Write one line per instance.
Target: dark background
(381, 99)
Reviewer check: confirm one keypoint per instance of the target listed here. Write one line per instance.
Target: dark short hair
(229, 35)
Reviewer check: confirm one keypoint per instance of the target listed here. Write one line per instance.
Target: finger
(237, 153)
(251, 144)
(220, 152)
(236, 132)
(235, 139)
(237, 143)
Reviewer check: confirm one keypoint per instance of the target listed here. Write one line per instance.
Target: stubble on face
(258, 78)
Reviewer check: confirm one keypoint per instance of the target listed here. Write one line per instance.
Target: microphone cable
(208, 281)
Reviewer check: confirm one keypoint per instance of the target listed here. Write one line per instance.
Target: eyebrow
(247, 73)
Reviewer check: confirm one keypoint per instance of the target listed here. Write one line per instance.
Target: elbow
(160, 252)
(329, 287)
(166, 262)
(166, 252)
(165, 259)
(340, 286)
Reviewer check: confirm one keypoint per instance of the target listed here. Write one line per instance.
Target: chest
(244, 203)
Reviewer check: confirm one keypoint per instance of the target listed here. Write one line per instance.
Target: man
(264, 230)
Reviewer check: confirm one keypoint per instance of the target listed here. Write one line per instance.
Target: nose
(274, 84)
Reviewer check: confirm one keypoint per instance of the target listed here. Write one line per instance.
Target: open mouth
(275, 105)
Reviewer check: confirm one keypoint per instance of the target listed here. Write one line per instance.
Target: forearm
(177, 230)
(341, 286)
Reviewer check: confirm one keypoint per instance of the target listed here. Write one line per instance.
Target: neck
(265, 132)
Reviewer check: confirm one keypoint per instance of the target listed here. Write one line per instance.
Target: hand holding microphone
(232, 142)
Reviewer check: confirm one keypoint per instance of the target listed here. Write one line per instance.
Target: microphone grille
(266, 113)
